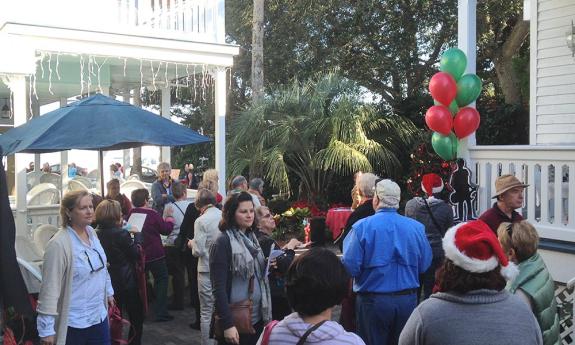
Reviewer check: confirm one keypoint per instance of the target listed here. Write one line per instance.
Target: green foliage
(279, 205)
(502, 124)
(290, 224)
(315, 130)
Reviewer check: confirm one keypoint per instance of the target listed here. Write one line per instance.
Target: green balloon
(468, 89)
(454, 62)
(445, 146)
(453, 108)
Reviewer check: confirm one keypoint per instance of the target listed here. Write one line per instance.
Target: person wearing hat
(385, 254)
(437, 216)
(509, 194)
(471, 305)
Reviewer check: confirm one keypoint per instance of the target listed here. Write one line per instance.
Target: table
(336, 219)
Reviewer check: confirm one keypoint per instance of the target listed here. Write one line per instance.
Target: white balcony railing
(550, 172)
(196, 20)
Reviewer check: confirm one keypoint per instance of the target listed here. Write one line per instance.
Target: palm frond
(342, 159)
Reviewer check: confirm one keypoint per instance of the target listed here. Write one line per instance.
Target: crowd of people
(405, 279)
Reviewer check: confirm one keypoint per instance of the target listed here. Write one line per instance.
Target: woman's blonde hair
(108, 214)
(210, 174)
(210, 185)
(260, 212)
(521, 237)
(69, 201)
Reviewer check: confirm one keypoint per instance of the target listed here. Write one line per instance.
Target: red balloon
(438, 119)
(443, 87)
(465, 122)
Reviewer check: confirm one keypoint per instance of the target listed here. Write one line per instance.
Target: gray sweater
(416, 209)
(482, 317)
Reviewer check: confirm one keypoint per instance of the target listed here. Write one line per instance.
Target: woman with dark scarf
(236, 263)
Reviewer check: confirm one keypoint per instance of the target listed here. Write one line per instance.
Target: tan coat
(57, 273)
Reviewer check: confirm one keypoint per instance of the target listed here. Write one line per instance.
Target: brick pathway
(176, 332)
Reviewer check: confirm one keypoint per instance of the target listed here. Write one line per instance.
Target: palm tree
(316, 130)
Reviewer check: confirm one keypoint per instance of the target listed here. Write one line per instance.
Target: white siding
(555, 74)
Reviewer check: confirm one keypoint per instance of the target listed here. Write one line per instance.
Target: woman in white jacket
(205, 232)
(76, 287)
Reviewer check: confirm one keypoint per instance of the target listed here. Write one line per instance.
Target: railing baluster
(505, 167)
(571, 200)
(545, 193)
(557, 203)
(531, 192)
(483, 198)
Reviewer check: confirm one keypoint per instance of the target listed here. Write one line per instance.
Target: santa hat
(474, 247)
(431, 184)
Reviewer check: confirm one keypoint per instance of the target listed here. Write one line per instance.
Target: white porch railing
(36, 216)
(550, 172)
(199, 20)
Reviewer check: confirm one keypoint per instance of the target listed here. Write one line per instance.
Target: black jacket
(276, 276)
(122, 254)
(362, 211)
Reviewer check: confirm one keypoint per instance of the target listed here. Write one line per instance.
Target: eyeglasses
(90, 262)
(268, 215)
(376, 182)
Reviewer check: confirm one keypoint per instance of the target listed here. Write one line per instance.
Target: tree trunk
(506, 74)
(258, 51)
(137, 151)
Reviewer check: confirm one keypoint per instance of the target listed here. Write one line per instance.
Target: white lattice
(564, 297)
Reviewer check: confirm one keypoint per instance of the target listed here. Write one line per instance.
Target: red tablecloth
(336, 219)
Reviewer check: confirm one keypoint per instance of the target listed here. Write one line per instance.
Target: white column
(126, 153)
(63, 159)
(466, 41)
(165, 150)
(36, 112)
(220, 121)
(17, 84)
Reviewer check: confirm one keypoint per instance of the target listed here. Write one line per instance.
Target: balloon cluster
(450, 118)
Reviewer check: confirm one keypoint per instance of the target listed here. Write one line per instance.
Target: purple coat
(154, 226)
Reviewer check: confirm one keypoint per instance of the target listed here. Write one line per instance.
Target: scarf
(248, 260)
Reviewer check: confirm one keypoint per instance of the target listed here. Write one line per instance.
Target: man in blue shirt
(385, 254)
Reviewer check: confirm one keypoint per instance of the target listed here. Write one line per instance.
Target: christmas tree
(425, 161)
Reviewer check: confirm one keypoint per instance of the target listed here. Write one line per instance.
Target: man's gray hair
(366, 184)
(257, 183)
(238, 181)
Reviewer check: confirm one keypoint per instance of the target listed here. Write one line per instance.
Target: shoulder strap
(178, 207)
(251, 287)
(308, 332)
(268, 332)
(432, 217)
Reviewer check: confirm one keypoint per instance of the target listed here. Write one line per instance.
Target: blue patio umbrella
(96, 123)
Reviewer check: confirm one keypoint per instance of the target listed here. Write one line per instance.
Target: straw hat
(505, 183)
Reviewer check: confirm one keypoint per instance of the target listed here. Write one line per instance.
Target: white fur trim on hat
(434, 190)
(462, 260)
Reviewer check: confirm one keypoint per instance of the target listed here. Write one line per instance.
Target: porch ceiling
(62, 60)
